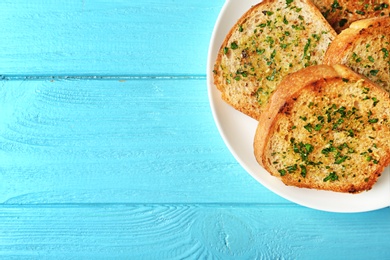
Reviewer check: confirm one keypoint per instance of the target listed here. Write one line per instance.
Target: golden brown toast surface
(326, 128)
(273, 39)
(365, 48)
(341, 13)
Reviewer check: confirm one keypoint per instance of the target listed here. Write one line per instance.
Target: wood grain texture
(102, 37)
(109, 141)
(190, 231)
(108, 149)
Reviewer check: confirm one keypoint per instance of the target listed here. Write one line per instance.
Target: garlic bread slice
(326, 128)
(271, 40)
(365, 48)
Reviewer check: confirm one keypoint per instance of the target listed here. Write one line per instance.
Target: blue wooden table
(108, 147)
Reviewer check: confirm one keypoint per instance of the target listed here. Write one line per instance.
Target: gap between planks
(166, 204)
(101, 77)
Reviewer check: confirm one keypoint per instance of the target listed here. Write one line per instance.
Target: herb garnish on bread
(274, 38)
(326, 127)
(341, 13)
(365, 48)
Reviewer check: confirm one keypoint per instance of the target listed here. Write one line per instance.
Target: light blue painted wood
(108, 141)
(132, 166)
(104, 37)
(194, 231)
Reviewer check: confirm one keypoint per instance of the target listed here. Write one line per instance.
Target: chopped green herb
(338, 123)
(306, 48)
(335, 6)
(282, 172)
(242, 73)
(341, 159)
(342, 146)
(381, 7)
(260, 51)
(285, 20)
(329, 149)
(331, 177)
(273, 54)
(283, 45)
(369, 114)
(303, 170)
(272, 76)
(303, 149)
(316, 36)
(375, 101)
(309, 148)
(300, 27)
(270, 40)
(341, 111)
(385, 53)
(374, 72)
(225, 50)
(329, 118)
(309, 127)
(291, 168)
(318, 127)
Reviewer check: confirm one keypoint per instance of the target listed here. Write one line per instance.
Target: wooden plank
(191, 231)
(103, 141)
(101, 37)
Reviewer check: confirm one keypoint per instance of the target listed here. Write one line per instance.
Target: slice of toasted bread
(365, 48)
(327, 128)
(341, 13)
(271, 40)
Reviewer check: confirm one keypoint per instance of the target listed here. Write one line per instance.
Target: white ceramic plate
(237, 130)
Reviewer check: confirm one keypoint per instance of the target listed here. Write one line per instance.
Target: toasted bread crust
(365, 48)
(341, 13)
(326, 128)
(269, 41)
